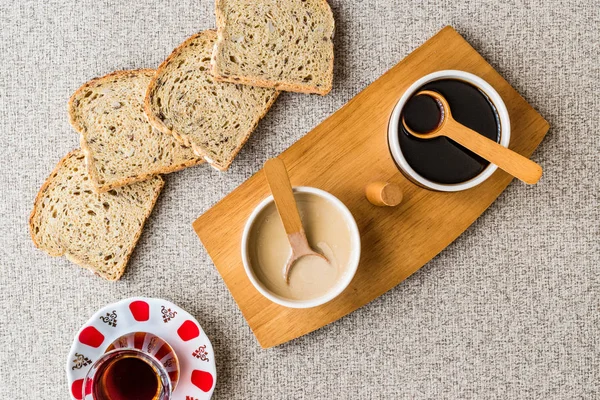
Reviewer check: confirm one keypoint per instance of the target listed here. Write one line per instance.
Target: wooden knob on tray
(383, 194)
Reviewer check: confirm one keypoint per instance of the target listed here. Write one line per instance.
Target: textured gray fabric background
(510, 310)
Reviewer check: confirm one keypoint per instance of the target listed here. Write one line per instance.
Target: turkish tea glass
(137, 363)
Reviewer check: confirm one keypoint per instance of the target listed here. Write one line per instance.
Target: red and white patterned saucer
(160, 317)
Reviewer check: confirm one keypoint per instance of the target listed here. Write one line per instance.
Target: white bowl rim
(344, 281)
(394, 141)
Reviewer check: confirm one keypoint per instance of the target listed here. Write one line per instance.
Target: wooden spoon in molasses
(515, 164)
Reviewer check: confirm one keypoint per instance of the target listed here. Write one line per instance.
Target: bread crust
(38, 197)
(89, 159)
(185, 139)
(247, 80)
(64, 252)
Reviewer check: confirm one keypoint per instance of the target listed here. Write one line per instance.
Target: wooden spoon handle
(280, 185)
(512, 162)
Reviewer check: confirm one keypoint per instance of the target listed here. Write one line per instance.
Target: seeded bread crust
(219, 60)
(133, 151)
(61, 226)
(167, 114)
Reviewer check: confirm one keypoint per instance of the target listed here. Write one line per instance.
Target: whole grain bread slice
(215, 119)
(98, 231)
(286, 45)
(120, 145)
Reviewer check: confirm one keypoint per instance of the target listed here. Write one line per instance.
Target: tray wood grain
(342, 155)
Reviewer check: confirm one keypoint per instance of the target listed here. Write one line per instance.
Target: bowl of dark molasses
(440, 163)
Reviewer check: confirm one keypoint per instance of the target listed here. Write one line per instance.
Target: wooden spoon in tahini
(281, 188)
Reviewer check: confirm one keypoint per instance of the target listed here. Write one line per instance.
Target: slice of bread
(120, 145)
(95, 230)
(286, 45)
(213, 118)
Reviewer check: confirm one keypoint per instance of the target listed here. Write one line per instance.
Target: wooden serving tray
(342, 155)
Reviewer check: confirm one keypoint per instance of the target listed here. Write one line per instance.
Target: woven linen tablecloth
(509, 310)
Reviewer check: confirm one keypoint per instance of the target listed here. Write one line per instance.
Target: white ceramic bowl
(342, 283)
(394, 141)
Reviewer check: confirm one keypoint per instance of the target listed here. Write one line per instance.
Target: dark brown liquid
(422, 114)
(127, 378)
(440, 159)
